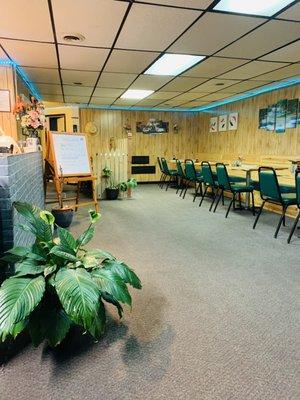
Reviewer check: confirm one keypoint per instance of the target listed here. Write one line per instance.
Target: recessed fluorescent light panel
(173, 64)
(136, 94)
(253, 7)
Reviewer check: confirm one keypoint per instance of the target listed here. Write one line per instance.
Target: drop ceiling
(123, 38)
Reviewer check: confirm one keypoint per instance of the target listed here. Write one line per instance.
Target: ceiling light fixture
(136, 94)
(74, 37)
(77, 83)
(265, 8)
(173, 64)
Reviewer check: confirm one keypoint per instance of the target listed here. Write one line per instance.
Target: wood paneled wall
(7, 119)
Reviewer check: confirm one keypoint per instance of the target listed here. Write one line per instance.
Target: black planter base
(112, 194)
(63, 218)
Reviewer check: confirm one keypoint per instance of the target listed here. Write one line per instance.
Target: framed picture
(280, 116)
(223, 123)
(213, 125)
(291, 113)
(271, 115)
(233, 121)
(262, 118)
(153, 126)
(4, 101)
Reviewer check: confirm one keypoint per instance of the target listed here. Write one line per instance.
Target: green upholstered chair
(209, 181)
(181, 177)
(270, 193)
(236, 188)
(170, 173)
(297, 188)
(163, 176)
(192, 176)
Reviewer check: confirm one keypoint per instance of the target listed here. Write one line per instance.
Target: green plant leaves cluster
(57, 282)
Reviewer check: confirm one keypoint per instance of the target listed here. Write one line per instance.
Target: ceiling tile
(45, 88)
(190, 96)
(292, 13)
(87, 78)
(150, 82)
(196, 103)
(163, 95)
(98, 21)
(3, 56)
(198, 4)
(125, 102)
(116, 80)
(183, 83)
(31, 54)
(282, 73)
(290, 53)
(108, 92)
(43, 75)
(141, 31)
(148, 103)
(77, 99)
(251, 69)
(82, 58)
(270, 36)
(212, 32)
(21, 20)
(174, 102)
(214, 66)
(215, 96)
(214, 85)
(133, 62)
(52, 97)
(102, 101)
(73, 90)
(244, 86)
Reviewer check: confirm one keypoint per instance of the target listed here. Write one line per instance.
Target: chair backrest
(222, 175)
(268, 183)
(160, 166)
(207, 174)
(164, 165)
(297, 179)
(190, 171)
(180, 169)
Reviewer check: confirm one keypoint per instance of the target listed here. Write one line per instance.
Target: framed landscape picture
(223, 123)
(271, 115)
(262, 118)
(291, 113)
(280, 116)
(233, 121)
(213, 125)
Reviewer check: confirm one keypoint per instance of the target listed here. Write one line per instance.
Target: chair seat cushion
(289, 199)
(239, 188)
(237, 179)
(287, 188)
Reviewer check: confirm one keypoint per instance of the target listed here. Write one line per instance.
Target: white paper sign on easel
(223, 123)
(233, 121)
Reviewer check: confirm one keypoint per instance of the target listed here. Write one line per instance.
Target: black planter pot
(63, 216)
(112, 193)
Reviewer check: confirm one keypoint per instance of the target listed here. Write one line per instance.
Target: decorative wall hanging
(91, 128)
(153, 127)
(280, 116)
(213, 125)
(271, 117)
(223, 123)
(233, 121)
(262, 118)
(291, 113)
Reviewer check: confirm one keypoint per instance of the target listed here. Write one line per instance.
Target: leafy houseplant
(127, 186)
(112, 189)
(58, 283)
(63, 214)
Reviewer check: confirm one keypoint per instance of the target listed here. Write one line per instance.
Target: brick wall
(21, 179)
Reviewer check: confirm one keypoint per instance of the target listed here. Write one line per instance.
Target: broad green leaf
(79, 296)
(26, 228)
(86, 236)
(101, 254)
(90, 262)
(27, 210)
(28, 267)
(19, 251)
(94, 216)
(36, 326)
(111, 283)
(66, 239)
(110, 299)
(43, 230)
(18, 328)
(49, 270)
(98, 325)
(62, 252)
(18, 297)
(57, 325)
(47, 217)
(124, 272)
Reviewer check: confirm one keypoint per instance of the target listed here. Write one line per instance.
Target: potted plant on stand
(112, 189)
(63, 214)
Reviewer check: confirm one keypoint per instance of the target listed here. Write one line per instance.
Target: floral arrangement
(31, 115)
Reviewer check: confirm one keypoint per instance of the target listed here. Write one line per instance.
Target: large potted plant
(63, 214)
(58, 283)
(112, 188)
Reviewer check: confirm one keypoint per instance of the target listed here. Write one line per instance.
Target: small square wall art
(233, 121)
(213, 126)
(223, 123)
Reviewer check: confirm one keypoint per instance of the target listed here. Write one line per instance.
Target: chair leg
(186, 188)
(280, 221)
(214, 198)
(294, 227)
(258, 214)
(179, 184)
(230, 204)
(253, 205)
(223, 197)
(218, 201)
(183, 187)
(169, 182)
(203, 195)
(196, 190)
(240, 201)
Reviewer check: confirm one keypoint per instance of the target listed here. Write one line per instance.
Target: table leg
(248, 180)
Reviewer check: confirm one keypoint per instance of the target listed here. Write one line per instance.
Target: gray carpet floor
(217, 318)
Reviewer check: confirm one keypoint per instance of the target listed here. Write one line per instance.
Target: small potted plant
(112, 189)
(128, 186)
(63, 214)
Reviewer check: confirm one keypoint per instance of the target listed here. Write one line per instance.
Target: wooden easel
(53, 164)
